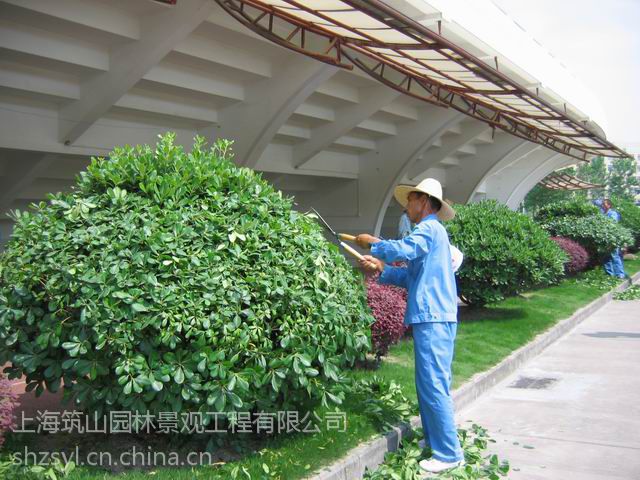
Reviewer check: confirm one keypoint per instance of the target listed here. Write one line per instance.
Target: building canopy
(418, 61)
(564, 181)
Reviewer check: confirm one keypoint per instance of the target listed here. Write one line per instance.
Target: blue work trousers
(433, 345)
(614, 265)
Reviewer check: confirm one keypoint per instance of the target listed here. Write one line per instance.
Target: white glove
(456, 258)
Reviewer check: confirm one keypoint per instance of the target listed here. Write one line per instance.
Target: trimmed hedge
(569, 208)
(175, 281)
(598, 234)
(630, 218)
(388, 305)
(8, 403)
(505, 252)
(578, 257)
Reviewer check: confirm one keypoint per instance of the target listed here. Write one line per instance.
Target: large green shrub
(174, 281)
(630, 218)
(598, 234)
(505, 252)
(576, 207)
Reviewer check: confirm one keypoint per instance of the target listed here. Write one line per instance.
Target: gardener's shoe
(436, 466)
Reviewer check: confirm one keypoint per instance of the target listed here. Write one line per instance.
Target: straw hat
(431, 187)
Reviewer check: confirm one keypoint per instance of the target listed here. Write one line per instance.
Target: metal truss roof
(564, 181)
(409, 57)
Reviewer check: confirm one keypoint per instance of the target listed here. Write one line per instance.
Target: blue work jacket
(613, 215)
(428, 278)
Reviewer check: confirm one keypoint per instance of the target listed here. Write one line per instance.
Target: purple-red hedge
(578, 256)
(388, 305)
(8, 402)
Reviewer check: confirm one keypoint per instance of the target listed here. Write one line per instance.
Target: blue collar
(431, 216)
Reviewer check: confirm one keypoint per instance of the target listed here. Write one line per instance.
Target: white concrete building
(80, 76)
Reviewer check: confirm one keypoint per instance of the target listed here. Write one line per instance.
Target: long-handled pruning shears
(341, 237)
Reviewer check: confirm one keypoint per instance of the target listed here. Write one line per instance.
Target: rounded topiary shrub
(577, 207)
(505, 252)
(598, 234)
(388, 305)
(578, 257)
(175, 281)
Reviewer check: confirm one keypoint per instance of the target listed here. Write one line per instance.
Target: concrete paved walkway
(572, 413)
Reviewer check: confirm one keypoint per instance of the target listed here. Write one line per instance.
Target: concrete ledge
(370, 454)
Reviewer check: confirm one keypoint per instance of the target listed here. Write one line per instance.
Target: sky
(599, 43)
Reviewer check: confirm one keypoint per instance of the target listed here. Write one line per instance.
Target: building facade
(78, 77)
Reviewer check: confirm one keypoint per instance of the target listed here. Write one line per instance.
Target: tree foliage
(622, 182)
(619, 180)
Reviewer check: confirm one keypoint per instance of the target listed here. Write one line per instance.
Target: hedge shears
(341, 237)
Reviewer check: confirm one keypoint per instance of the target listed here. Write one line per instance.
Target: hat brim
(401, 193)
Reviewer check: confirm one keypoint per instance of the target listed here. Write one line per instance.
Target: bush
(8, 403)
(388, 305)
(505, 252)
(598, 234)
(578, 257)
(174, 281)
(630, 218)
(570, 208)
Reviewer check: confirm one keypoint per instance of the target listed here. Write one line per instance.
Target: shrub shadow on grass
(369, 363)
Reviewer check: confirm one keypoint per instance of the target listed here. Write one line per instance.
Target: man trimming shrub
(613, 264)
(432, 310)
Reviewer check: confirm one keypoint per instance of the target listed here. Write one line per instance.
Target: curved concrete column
(523, 187)
(500, 185)
(407, 147)
(523, 149)
(381, 169)
(447, 147)
(463, 179)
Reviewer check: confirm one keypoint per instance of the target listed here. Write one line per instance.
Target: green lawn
(485, 337)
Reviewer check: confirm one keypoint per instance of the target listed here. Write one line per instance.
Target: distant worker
(598, 203)
(404, 226)
(614, 265)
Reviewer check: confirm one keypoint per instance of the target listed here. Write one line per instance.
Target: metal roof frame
(417, 61)
(564, 181)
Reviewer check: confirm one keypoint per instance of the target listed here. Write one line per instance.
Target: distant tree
(594, 172)
(619, 181)
(539, 196)
(622, 181)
